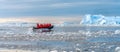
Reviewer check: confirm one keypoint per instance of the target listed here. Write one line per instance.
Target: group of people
(47, 25)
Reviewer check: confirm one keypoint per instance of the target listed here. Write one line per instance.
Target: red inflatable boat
(43, 27)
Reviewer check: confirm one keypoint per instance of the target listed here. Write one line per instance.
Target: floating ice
(101, 20)
(117, 31)
(16, 24)
(66, 23)
(117, 49)
(54, 51)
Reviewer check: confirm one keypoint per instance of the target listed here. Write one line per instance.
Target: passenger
(38, 26)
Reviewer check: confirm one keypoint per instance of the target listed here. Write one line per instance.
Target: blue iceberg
(101, 20)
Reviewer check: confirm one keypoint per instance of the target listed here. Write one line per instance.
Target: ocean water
(61, 39)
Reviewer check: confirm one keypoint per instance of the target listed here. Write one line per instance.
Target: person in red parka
(38, 26)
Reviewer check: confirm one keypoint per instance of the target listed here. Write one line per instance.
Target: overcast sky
(58, 7)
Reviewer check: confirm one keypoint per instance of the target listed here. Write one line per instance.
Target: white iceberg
(101, 20)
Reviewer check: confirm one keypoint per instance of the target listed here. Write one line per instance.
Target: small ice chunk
(117, 31)
(54, 51)
(117, 49)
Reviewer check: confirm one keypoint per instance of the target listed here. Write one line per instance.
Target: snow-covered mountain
(101, 20)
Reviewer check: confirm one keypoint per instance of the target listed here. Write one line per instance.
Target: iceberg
(100, 20)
